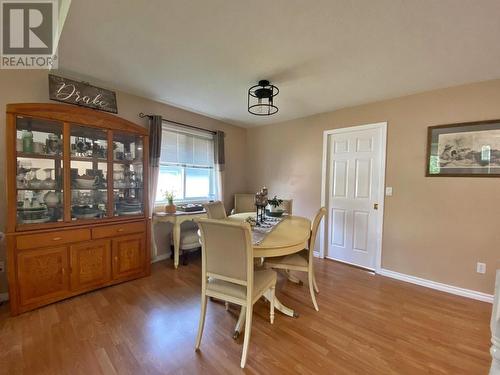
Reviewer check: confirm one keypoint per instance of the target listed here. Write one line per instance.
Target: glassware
(34, 182)
(27, 137)
(48, 182)
(88, 142)
(53, 144)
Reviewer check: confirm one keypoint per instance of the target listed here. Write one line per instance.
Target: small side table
(176, 219)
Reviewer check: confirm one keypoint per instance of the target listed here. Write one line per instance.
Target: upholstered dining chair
(189, 240)
(243, 203)
(215, 210)
(287, 206)
(228, 272)
(303, 260)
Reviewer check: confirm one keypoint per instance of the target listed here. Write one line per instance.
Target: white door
(355, 199)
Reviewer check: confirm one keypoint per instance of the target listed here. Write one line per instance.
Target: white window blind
(187, 149)
(186, 165)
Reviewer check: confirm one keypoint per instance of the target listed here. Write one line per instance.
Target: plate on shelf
(36, 221)
(86, 212)
(32, 209)
(125, 213)
(86, 216)
(83, 183)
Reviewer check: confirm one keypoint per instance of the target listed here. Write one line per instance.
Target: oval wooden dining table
(288, 237)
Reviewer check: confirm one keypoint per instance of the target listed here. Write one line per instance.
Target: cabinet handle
(120, 230)
(57, 239)
(63, 271)
(116, 259)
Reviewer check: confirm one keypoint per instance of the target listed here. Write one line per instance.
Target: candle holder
(261, 213)
(260, 204)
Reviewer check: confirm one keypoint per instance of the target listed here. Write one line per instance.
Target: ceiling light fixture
(261, 99)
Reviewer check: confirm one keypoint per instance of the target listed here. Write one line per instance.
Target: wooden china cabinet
(77, 214)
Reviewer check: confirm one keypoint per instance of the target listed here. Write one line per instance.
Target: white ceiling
(323, 54)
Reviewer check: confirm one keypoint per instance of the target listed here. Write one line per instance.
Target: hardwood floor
(366, 325)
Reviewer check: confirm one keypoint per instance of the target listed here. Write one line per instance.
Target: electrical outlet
(481, 267)
(2, 266)
(388, 191)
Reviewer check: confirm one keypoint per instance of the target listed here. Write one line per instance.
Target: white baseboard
(438, 286)
(160, 257)
(4, 297)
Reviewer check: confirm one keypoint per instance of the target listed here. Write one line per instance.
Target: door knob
(375, 206)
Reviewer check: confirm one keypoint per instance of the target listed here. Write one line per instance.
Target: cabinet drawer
(33, 241)
(118, 229)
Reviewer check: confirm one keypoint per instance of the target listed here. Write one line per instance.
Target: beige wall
(434, 228)
(32, 86)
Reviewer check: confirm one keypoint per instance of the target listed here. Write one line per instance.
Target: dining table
(288, 237)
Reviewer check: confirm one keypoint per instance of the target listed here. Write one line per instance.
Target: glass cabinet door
(128, 174)
(39, 175)
(89, 172)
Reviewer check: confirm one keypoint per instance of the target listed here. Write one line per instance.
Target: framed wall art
(469, 149)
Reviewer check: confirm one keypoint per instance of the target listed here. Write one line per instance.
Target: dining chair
(287, 206)
(243, 203)
(215, 210)
(189, 240)
(303, 260)
(228, 272)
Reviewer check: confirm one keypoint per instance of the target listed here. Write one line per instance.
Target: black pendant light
(261, 99)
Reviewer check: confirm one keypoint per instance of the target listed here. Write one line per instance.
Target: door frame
(382, 126)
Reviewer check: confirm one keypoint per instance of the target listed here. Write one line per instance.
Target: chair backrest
(314, 231)
(215, 210)
(244, 203)
(227, 252)
(287, 206)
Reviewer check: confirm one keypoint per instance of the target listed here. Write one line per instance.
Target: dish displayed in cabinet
(124, 208)
(91, 179)
(88, 143)
(88, 204)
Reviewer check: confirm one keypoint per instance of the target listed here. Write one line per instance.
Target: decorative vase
(273, 208)
(51, 199)
(170, 209)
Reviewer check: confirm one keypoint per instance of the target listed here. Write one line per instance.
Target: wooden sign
(81, 93)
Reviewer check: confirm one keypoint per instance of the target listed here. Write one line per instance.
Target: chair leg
(311, 290)
(315, 284)
(201, 324)
(248, 331)
(239, 324)
(271, 312)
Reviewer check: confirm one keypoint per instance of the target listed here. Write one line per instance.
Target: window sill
(197, 201)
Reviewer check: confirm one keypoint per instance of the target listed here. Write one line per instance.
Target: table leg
(240, 323)
(176, 232)
(280, 307)
(292, 278)
(277, 306)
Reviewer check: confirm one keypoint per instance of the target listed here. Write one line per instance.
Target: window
(186, 165)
